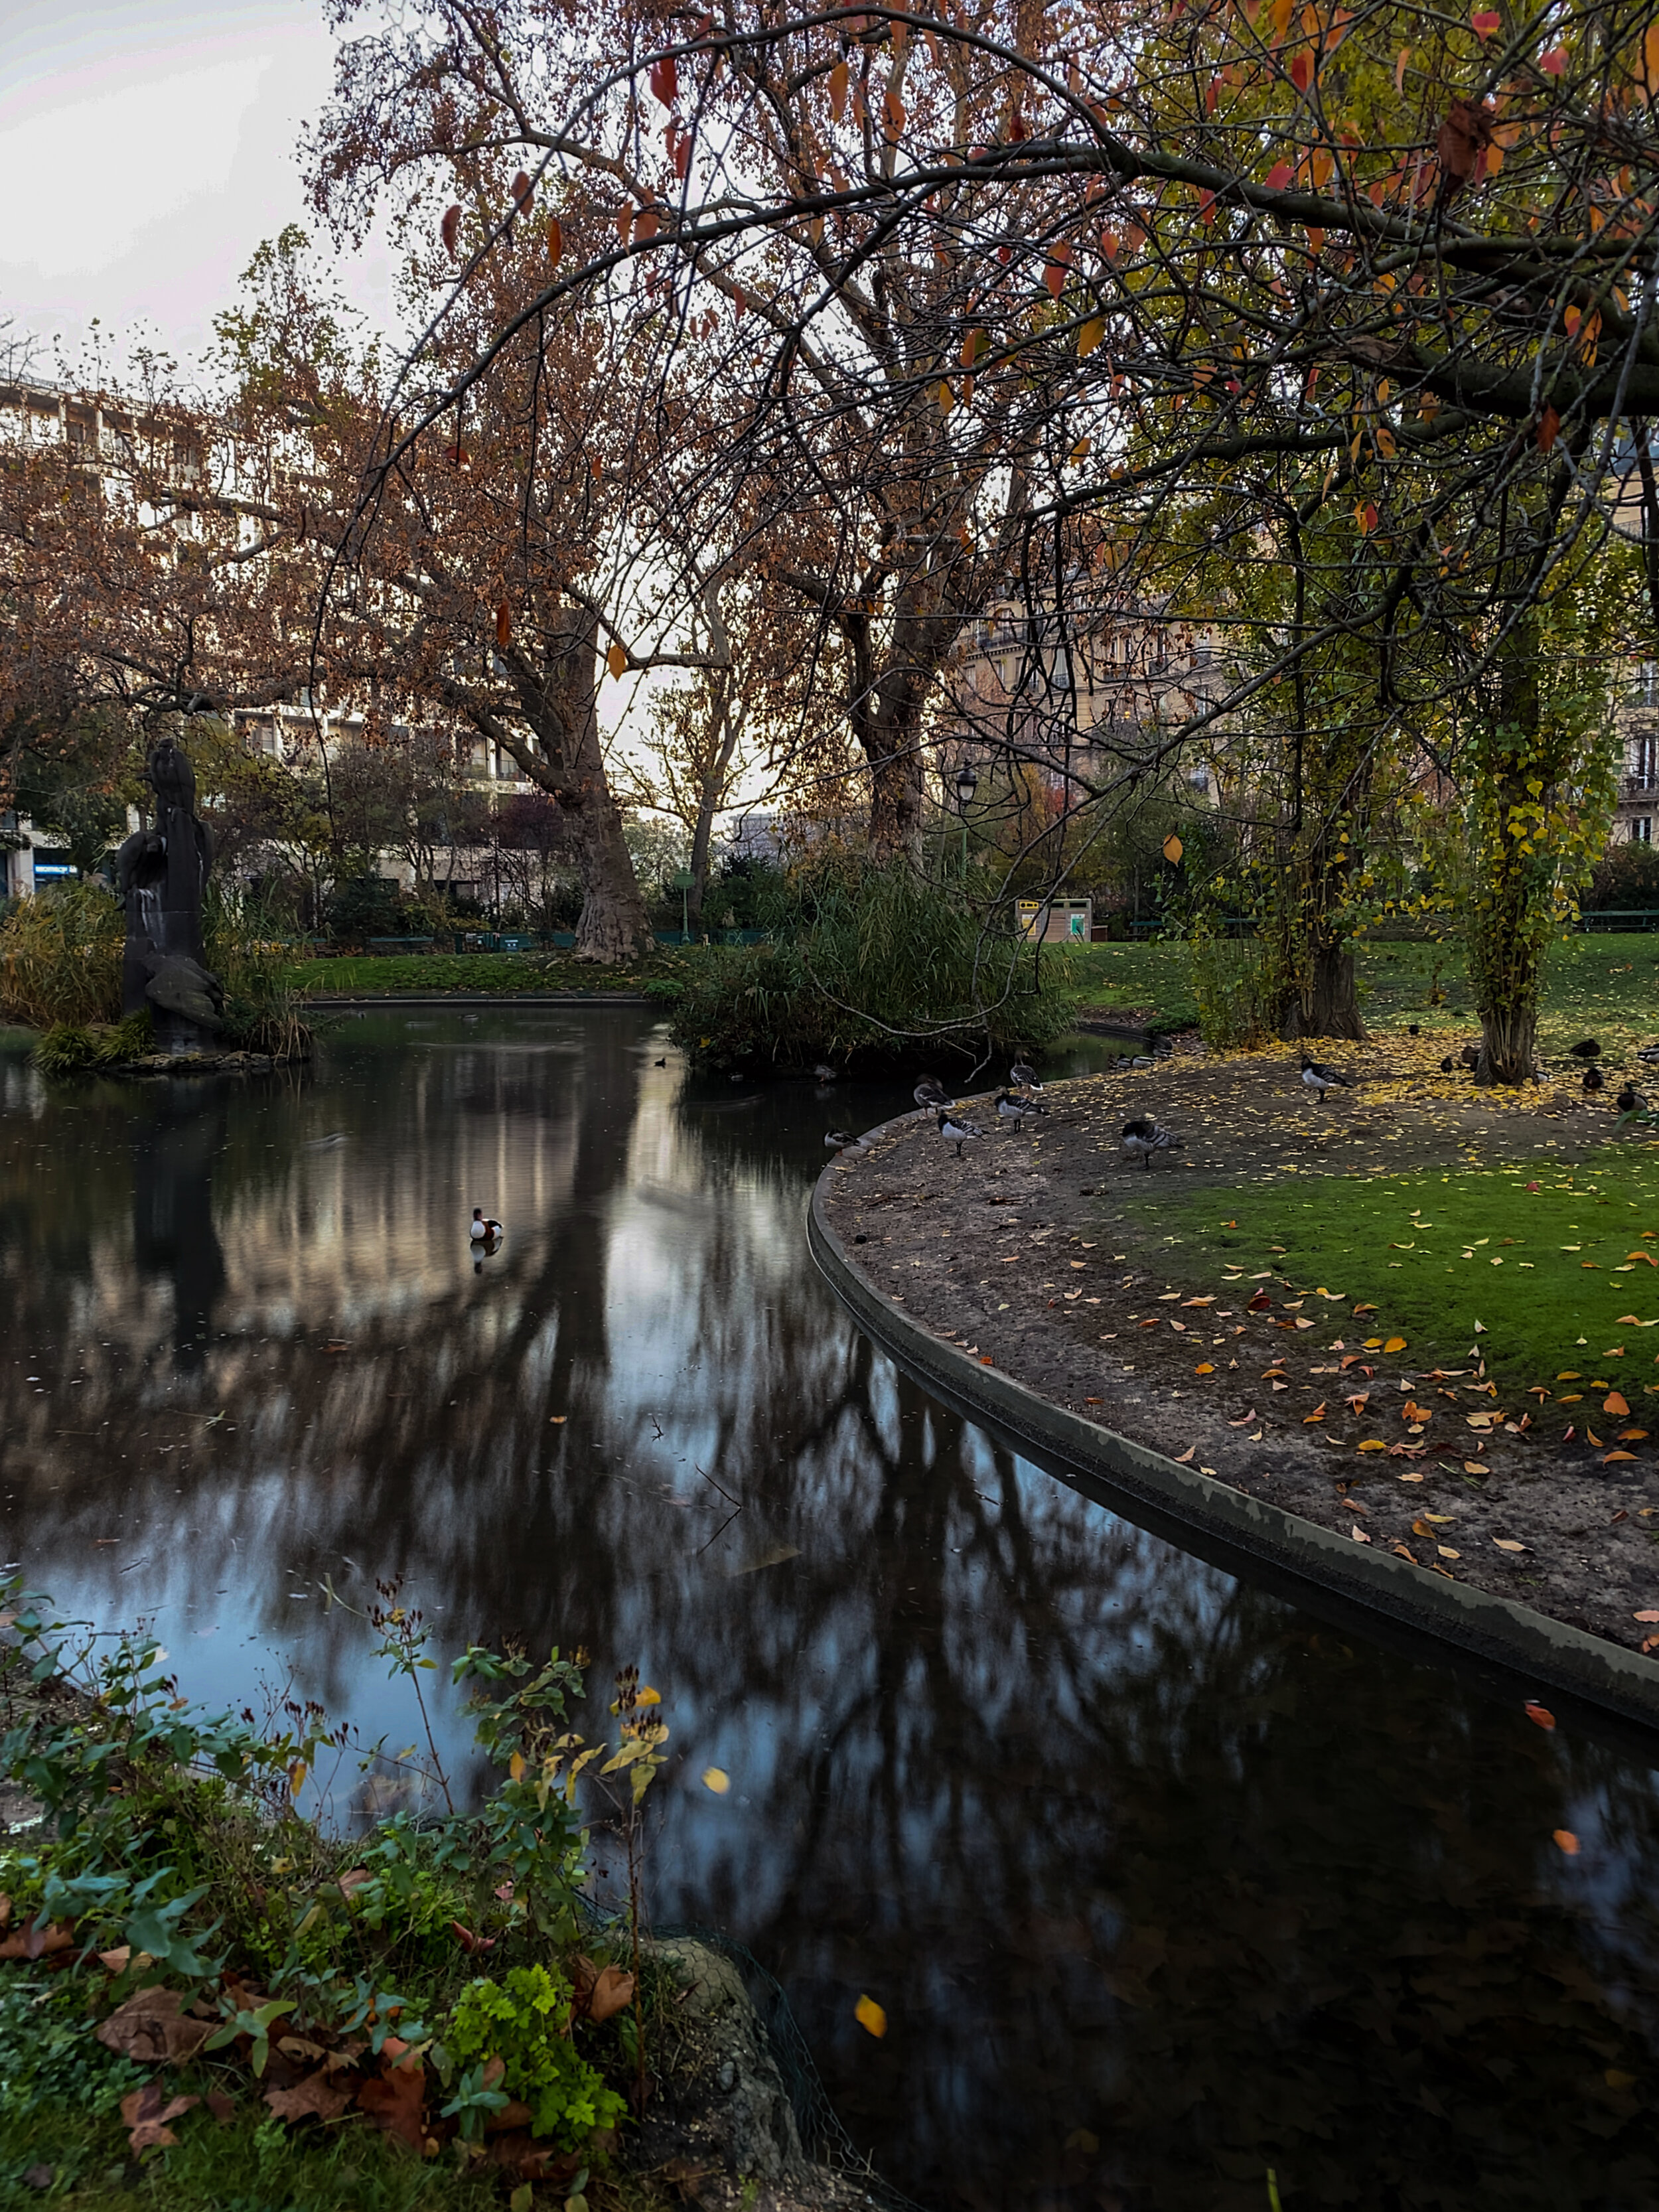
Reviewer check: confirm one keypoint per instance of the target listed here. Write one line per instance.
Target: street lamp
(967, 785)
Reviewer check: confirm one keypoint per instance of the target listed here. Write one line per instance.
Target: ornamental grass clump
(876, 963)
(60, 958)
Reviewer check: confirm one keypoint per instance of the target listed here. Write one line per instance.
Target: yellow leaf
(717, 1779)
(1090, 336)
(1080, 451)
(515, 1766)
(644, 1695)
(1373, 1443)
(297, 1776)
(870, 2016)
(1173, 849)
(1205, 1369)
(616, 660)
(1394, 1344)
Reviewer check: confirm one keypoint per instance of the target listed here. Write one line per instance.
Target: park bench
(1634, 918)
(391, 945)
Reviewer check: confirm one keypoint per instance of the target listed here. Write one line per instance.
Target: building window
(1644, 758)
(1641, 830)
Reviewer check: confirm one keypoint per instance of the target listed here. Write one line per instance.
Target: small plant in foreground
(512, 2036)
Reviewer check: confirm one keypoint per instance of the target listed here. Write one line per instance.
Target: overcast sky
(146, 149)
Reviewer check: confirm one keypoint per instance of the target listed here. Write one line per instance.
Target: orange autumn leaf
(1539, 1716)
(1566, 1841)
(1394, 1344)
(1613, 1403)
(870, 2017)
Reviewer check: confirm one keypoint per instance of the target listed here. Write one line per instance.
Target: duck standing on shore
(957, 1131)
(930, 1091)
(1319, 1079)
(1143, 1136)
(1024, 1075)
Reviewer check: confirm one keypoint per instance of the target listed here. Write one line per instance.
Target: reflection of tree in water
(1134, 1855)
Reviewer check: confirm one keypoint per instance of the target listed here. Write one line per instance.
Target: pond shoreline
(1531, 1646)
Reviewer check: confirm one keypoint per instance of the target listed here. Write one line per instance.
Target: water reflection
(1160, 1882)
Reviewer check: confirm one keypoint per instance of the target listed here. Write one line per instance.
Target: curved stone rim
(1392, 1599)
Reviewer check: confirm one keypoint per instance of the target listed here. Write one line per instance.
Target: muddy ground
(1026, 1255)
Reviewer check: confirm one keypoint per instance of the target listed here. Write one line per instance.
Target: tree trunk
(897, 792)
(1508, 914)
(1328, 1003)
(613, 926)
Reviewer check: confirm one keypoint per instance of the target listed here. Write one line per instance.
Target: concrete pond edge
(1399, 1602)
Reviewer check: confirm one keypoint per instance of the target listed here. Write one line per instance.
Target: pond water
(1161, 1882)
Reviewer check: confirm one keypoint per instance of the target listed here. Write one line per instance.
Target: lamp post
(682, 879)
(967, 785)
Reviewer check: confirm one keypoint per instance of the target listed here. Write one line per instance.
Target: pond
(1161, 1882)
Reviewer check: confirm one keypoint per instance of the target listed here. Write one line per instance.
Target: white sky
(146, 149)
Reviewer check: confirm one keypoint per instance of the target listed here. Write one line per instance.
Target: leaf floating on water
(717, 1779)
(774, 1556)
(870, 2017)
(1539, 1716)
(1564, 1840)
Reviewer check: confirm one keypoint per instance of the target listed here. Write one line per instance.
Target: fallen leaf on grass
(1539, 1716)
(396, 2101)
(150, 2025)
(1614, 1403)
(146, 2118)
(116, 1961)
(1394, 1344)
(223, 2108)
(37, 1942)
(1566, 1841)
(316, 2098)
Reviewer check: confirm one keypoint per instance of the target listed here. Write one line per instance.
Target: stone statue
(162, 877)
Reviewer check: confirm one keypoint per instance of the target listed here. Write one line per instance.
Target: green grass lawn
(1546, 1270)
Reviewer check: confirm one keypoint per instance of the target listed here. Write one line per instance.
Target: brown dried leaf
(33, 1942)
(612, 1992)
(396, 2102)
(151, 2027)
(146, 2118)
(316, 2098)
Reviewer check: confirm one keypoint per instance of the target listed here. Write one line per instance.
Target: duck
(823, 1072)
(930, 1091)
(1586, 1049)
(483, 1227)
(1320, 1078)
(842, 1141)
(1593, 1078)
(957, 1131)
(1024, 1075)
(1470, 1055)
(1143, 1136)
(1631, 1101)
(1012, 1107)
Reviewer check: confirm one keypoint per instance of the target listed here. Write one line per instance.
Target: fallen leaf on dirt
(870, 2016)
(150, 2025)
(1614, 1403)
(116, 1961)
(1317, 1414)
(1446, 1553)
(395, 2101)
(1405, 1554)
(1539, 1716)
(1259, 1303)
(1358, 1534)
(1508, 1544)
(1394, 1344)
(1373, 1443)
(1475, 1467)
(1206, 1369)
(1650, 1614)
(146, 2118)
(316, 2098)
(1607, 1458)
(1182, 1458)
(1565, 1840)
(1364, 1309)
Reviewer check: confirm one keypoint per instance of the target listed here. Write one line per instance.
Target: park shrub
(245, 941)
(78, 1048)
(873, 962)
(60, 957)
(173, 1872)
(1232, 986)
